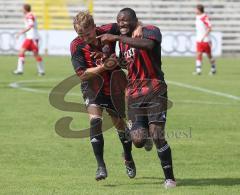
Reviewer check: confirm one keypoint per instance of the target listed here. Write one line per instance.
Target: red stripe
(87, 56)
(73, 47)
(205, 20)
(148, 64)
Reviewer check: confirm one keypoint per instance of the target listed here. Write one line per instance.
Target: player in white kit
(203, 45)
(30, 43)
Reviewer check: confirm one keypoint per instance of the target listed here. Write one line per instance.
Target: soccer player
(146, 90)
(203, 29)
(84, 49)
(30, 43)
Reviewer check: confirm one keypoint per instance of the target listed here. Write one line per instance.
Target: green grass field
(35, 160)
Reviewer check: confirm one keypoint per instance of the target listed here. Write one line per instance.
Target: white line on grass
(204, 102)
(17, 85)
(204, 90)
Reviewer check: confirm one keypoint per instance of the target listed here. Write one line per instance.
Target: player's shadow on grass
(182, 182)
(209, 181)
(140, 181)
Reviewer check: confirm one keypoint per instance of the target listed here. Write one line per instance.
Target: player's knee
(21, 54)
(95, 126)
(158, 134)
(212, 60)
(199, 56)
(119, 124)
(38, 58)
(138, 137)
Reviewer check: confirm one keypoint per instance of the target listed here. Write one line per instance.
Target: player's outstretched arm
(139, 43)
(91, 72)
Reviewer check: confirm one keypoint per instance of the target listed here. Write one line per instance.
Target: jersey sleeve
(206, 21)
(153, 33)
(30, 20)
(80, 58)
(111, 28)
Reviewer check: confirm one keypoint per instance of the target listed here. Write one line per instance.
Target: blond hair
(82, 20)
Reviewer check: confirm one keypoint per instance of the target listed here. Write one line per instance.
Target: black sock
(127, 145)
(165, 156)
(97, 140)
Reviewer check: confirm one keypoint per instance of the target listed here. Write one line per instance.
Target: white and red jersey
(202, 25)
(30, 21)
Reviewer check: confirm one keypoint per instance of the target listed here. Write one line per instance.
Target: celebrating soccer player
(146, 90)
(30, 43)
(89, 62)
(203, 29)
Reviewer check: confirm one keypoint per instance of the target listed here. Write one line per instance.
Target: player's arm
(140, 43)
(30, 26)
(81, 60)
(208, 26)
(209, 29)
(91, 72)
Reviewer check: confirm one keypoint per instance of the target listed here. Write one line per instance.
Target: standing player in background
(146, 90)
(203, 29)
(30, 43)
(96, 95)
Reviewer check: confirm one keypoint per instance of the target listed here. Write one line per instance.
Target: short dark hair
(27, 7)
(200, 7)
(130, 11)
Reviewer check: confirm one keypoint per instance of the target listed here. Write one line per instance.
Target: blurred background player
(30, 43)
(203, 29)
(96, 89)
(146, 90)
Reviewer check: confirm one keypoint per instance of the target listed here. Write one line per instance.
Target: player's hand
(138, 32)
(18, 35)
(107, 38)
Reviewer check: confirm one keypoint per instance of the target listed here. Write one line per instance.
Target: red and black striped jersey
(81, 60)
(144, 66)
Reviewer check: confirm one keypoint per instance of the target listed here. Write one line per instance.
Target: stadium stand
(169, 15)
(50, 14)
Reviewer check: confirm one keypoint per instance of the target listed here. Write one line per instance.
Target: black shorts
(144, 110)
(115, 106)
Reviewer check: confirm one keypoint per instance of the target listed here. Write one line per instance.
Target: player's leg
(138, 121)
(139, 131)
(198, 64)
(157, 120)
(124, 137)
(163, 150)
(198, 69)
(21, 59)
(116, 109)
(40, 65)
(211, 60)
(96, 138)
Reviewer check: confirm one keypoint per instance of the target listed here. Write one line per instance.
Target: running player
(146, 90)
(30, 43)
(203, 29)
(92, 71)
